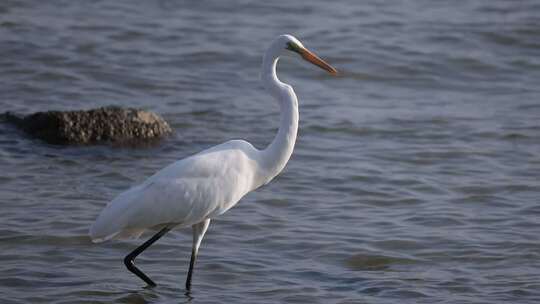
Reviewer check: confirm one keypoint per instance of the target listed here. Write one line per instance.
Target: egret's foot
(130, 265)
(129, 260)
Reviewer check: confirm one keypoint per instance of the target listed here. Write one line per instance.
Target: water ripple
(414, 178)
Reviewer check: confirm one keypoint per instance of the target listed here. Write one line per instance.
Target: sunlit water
(415, 178)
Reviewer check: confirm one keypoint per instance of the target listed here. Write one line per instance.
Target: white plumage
(184, 193)
(194, 190)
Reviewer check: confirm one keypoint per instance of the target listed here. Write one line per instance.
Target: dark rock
(101, 125)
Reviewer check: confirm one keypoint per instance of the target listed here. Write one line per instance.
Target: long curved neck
(277, 154)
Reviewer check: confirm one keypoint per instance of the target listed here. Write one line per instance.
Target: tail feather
(98, 233)
(112, 222)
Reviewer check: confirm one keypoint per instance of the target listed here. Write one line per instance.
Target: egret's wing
(186, 192)
(162, 201)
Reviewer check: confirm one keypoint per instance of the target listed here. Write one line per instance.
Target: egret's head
(290, 46)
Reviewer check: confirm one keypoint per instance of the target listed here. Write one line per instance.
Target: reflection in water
(375, 262)
(414, 179)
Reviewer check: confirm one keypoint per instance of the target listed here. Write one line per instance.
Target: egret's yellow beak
(309, 56)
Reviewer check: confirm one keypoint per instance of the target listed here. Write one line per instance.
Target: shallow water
(415, 178)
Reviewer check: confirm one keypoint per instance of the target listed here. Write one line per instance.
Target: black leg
(190, 271)
(199, 230)
(129, 259)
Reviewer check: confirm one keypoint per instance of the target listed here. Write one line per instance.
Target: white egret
(196, 189)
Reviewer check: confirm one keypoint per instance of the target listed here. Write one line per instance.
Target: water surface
(415, 178)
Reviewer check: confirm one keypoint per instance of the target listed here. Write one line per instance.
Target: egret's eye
(293, 47)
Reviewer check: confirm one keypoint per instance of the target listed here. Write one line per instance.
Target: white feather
(184, 193)
(198, 188)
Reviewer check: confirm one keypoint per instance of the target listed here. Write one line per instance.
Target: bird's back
(184, 193)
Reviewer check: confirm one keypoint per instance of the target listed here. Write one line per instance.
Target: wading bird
(196, 189)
